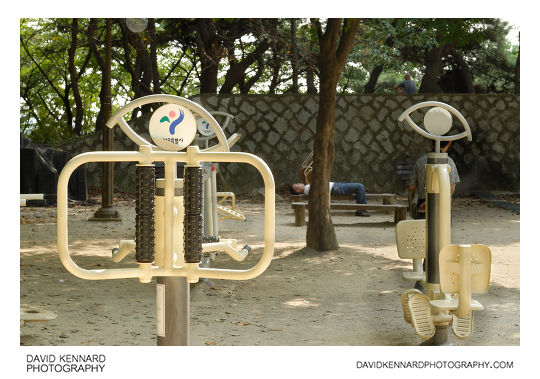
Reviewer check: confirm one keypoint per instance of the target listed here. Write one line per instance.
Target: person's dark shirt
(408, 87)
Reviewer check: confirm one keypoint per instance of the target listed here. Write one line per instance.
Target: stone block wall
(369, 141)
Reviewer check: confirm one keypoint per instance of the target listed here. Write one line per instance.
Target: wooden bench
(387, 198)
(299, 205)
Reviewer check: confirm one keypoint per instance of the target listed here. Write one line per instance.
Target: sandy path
(344, 297)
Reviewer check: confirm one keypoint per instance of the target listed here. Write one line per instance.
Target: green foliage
(396, 45)
(45, 80)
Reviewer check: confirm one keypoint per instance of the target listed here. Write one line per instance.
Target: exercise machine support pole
(172, 292)
(172, 297)
(437, 231)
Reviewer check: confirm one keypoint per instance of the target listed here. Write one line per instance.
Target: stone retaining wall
(369, 141)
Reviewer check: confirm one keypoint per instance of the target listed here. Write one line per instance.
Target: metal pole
(172, 292)
(433, 241)
(107, 212)
(172, 301)
(432, 207)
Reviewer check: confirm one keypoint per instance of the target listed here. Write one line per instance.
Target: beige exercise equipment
(405, 297)
(420, 316)
(452, 272)
(30, 313)
(306, 169)
(411, 244)
(228, 213)
(169, 243)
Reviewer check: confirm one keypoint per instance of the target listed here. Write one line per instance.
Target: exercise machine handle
(146, 271)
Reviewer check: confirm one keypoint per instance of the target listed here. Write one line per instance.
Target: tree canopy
(62, 62)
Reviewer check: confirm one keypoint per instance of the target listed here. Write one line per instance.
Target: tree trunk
(320, 233)
(207, 48)
(310, 71)
(101, 63)
(77, 128)
(310, 77)
(156, 83)
(294, 57)
(464, 70)
(145, 74)
(236, 72)
(433, 70)
(67, 106)
(209, 79)
(275, 64)
(245, 85)
(373, 78)
(374, 75)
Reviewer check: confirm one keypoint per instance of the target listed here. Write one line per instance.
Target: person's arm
(454, 176)
(413, 182)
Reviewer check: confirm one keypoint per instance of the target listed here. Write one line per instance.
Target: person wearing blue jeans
(338, 188)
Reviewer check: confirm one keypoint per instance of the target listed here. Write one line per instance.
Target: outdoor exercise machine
(212, 200)
(306, 169)
(32, 313)
(451, 273)
(168, 241)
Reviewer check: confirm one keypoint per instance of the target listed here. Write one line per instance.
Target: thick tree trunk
(209, 79)
(144, 64)
(433, 70)
(320, 234)
(464, 70)
(207, 48)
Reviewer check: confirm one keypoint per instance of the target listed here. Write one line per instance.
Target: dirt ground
(347, 297)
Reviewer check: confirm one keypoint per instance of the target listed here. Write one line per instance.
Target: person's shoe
(362, 213)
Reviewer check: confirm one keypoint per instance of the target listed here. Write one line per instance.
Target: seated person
(407, 86)
(337, 188)
(417, 180)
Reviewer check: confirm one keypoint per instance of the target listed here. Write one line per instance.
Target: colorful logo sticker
(172, 127)
(204, 127)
